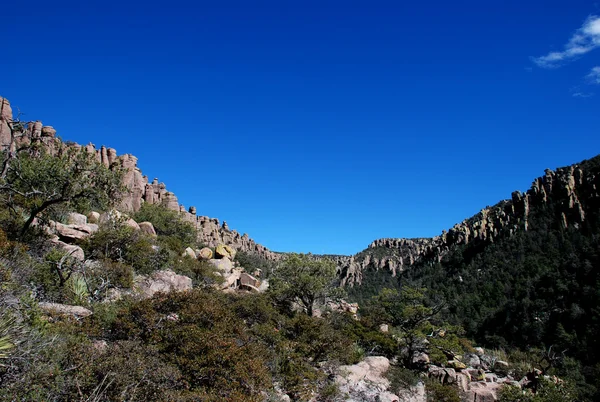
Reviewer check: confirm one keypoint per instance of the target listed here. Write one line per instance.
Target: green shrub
(202, 272)
(437, 392)
(167, 223)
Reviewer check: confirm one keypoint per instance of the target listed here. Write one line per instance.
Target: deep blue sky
(317, 125)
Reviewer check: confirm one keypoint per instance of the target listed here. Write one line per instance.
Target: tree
(306, 280)
(411, 319)
(35, 182)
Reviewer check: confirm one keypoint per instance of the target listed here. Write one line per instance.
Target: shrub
(437, 392)
(167, 223)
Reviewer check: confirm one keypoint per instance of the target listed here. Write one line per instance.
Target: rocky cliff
(139, 189)
(571, 190)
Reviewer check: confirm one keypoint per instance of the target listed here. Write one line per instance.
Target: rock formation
(138, 189)
(565, 188)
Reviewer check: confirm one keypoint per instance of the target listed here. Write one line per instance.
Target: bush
(167, 223)
(120, 243)
(437, 392)
(401, 378)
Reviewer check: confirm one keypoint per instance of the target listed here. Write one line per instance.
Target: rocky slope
(572, 190)
(139, 189)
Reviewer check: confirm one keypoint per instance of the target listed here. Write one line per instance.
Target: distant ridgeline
(525, 272)
(571, 193)
(139, 189)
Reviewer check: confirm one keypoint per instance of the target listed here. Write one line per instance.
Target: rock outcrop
(365, 381)
(138, 188)
(161, 281)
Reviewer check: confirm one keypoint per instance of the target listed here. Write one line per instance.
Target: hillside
(522, 273)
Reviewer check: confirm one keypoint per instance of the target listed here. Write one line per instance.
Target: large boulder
(224, 264)
(161, 281)
(224, 251)
(73, 232)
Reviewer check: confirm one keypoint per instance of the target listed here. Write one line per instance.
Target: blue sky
(318, 125)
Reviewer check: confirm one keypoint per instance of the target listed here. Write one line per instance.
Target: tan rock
(483, 392)
(161, 281)
(148, 228)
(58, 308)
(366, 380)
(132, 224)
(248, 282)
(189, 252)
(48, 131)
(6, 116)
(76, 219)
(93, 217)
(73, 232)
(223, 264)
(205, 253)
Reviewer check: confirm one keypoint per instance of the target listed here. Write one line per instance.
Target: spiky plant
(7, 341)
(78, 289)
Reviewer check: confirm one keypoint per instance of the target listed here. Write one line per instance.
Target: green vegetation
(37, 185)
(305, 280)
(536, 290)
(532, 296)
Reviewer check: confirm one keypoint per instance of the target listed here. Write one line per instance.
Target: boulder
(93, 217)
(48, 131)
(472, 360)
(57, 308)
(70, 249)
(73, 232)
(224, 251)
(483, 391)
(458, 365)
(148, 228)
(366, 380)
(501, 367)
(249, 282)
(421, 359)
(110, 217)
(161, 281)
(132, 224)
(190, 253)
(224, 264)
(205, 253)
(76, 219)
(479, 351)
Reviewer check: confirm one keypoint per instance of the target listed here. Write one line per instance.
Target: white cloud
(584, 40)
(594, 75)
(576, 92)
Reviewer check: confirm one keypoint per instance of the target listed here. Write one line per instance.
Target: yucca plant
(78, 289)
(7, 342)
